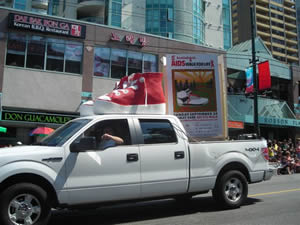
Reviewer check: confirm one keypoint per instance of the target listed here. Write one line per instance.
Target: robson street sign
(45, 25)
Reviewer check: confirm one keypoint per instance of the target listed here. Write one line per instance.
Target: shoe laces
(133, 85)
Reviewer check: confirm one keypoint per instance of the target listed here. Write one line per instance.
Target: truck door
(104, 173)
(164, 158)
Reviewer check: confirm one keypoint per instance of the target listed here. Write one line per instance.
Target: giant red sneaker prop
(139, 93)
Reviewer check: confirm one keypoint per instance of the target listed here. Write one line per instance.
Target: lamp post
(255, 89)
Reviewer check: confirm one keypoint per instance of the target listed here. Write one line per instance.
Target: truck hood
(17, 150)
(28, 153)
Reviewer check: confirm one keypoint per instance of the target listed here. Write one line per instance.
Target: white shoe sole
(194, 101)
(104, 107)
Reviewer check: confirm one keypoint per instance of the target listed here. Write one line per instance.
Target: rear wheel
(24, 204)
(231, 189)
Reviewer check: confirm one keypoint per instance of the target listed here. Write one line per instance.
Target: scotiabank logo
(76, 30)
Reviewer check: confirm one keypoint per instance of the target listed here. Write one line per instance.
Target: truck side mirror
(85, 143)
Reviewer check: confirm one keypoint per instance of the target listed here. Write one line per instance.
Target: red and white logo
(76, 30)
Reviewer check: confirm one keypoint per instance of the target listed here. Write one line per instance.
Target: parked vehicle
(67, 169)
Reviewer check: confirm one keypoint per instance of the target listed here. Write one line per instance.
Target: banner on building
(264, 76)
(249, 80)
(194, 94)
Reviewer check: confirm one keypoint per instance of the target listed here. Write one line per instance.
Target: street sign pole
(255, 89)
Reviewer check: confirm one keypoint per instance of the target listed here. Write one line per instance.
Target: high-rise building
(204, 22)
(298, 19)
(275, 23)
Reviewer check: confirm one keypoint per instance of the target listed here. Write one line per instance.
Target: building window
(116, 63)
(73, 56)
(116, 12)
(20, 4)
(160, 17)
(135, 62)
(101, 62)
(55, 55)
(150, 63)
(16, 47)
(34, 51)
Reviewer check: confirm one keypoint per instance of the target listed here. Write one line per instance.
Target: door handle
(132, 157)
(179, 155)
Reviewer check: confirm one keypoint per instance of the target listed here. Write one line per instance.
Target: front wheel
(24, 204)
(231, 189)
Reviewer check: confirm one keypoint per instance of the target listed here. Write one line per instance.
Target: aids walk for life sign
(194, 94)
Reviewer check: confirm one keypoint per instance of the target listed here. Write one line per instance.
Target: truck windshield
(62, 134)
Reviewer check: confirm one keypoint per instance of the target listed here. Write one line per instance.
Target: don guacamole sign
(36, 117)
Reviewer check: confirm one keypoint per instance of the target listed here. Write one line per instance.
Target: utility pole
(255, 89)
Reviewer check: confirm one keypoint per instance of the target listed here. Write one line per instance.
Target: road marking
(275, 192)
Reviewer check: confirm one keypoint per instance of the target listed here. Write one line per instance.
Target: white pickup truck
(68, 169)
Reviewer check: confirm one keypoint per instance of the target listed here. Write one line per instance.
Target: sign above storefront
(35, 117)
(129, 38)
(45, 25)
(236, 124)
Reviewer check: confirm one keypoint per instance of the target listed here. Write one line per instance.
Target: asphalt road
(274, 202)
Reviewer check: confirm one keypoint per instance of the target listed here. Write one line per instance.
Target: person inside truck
(109, 139)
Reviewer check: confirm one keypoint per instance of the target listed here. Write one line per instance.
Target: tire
(231, 189)
(24, 203)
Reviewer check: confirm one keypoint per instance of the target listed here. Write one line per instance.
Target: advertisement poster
(194, 94)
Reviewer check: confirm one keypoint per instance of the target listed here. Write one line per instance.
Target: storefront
(276, 117)
(51, 65)
(20, 124)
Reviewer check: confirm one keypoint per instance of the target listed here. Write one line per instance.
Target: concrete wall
(39, 90)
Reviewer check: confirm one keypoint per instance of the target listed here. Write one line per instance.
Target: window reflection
(73, 57)
(101, 62)
(118, 63)
(60, 55)
(16, 46)
(135, 62)
(35, 52)
(150, 63)
(55, 54)
(115, 62)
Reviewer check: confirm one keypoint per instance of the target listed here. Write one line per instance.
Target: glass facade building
(226, 16)
(160, 17)
(198, 22)
(183, 20)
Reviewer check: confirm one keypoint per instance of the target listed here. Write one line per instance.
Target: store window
(116, 63)
(135, 62)
(73, 57)
(102, 62)
(16, 46)
(150, 63)
(34, 51)
(55, 55)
